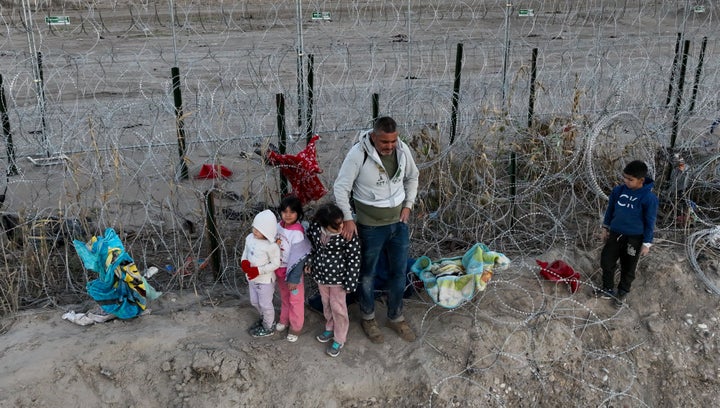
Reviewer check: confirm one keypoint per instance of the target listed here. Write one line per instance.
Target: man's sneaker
(262, 332)
(604, 293)
(372, 330)
(280, 327)
(333, 349)
(292, 337)
(325, 336)
(255, 325)
(402, 329)
(620, 298)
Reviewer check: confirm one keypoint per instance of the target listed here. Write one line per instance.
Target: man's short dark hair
(637, 169)
(385, 124)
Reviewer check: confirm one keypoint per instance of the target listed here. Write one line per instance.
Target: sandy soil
(522, 342)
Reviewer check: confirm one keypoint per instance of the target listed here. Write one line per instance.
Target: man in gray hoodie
(382, 176)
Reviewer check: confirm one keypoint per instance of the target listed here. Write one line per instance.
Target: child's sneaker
(280, 327)
(292, 337)
(262, 332)
(325, 336)
(620, 298)
(255, 325)
(604, 293)
(333, 349)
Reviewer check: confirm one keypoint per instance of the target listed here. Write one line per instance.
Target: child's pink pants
(292, 305)
(335, 311)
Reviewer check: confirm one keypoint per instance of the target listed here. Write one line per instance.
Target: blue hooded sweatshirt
(632, 212)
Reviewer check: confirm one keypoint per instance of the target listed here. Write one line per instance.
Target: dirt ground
(522, 342)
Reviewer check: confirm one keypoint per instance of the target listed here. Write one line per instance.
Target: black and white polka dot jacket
(335, 263)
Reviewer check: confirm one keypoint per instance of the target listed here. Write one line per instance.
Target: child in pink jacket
(294, 249)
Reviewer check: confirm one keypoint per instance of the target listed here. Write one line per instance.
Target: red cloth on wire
(211, 171)
(301, 170)
(559, 271)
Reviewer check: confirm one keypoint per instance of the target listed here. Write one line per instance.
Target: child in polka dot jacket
(335, 266)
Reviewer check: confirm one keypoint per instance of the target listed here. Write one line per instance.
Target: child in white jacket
(260, 259)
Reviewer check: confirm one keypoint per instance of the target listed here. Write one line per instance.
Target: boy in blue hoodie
(628, 229)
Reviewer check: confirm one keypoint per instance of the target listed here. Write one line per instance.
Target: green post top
(699, 9)
(57, 20)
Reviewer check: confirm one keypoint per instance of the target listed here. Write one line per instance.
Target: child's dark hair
(329, 215)
(637, 169)
(292, 202)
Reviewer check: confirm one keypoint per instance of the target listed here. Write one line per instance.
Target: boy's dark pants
(627, 249)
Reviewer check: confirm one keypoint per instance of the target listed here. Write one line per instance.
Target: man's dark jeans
(394, 240)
